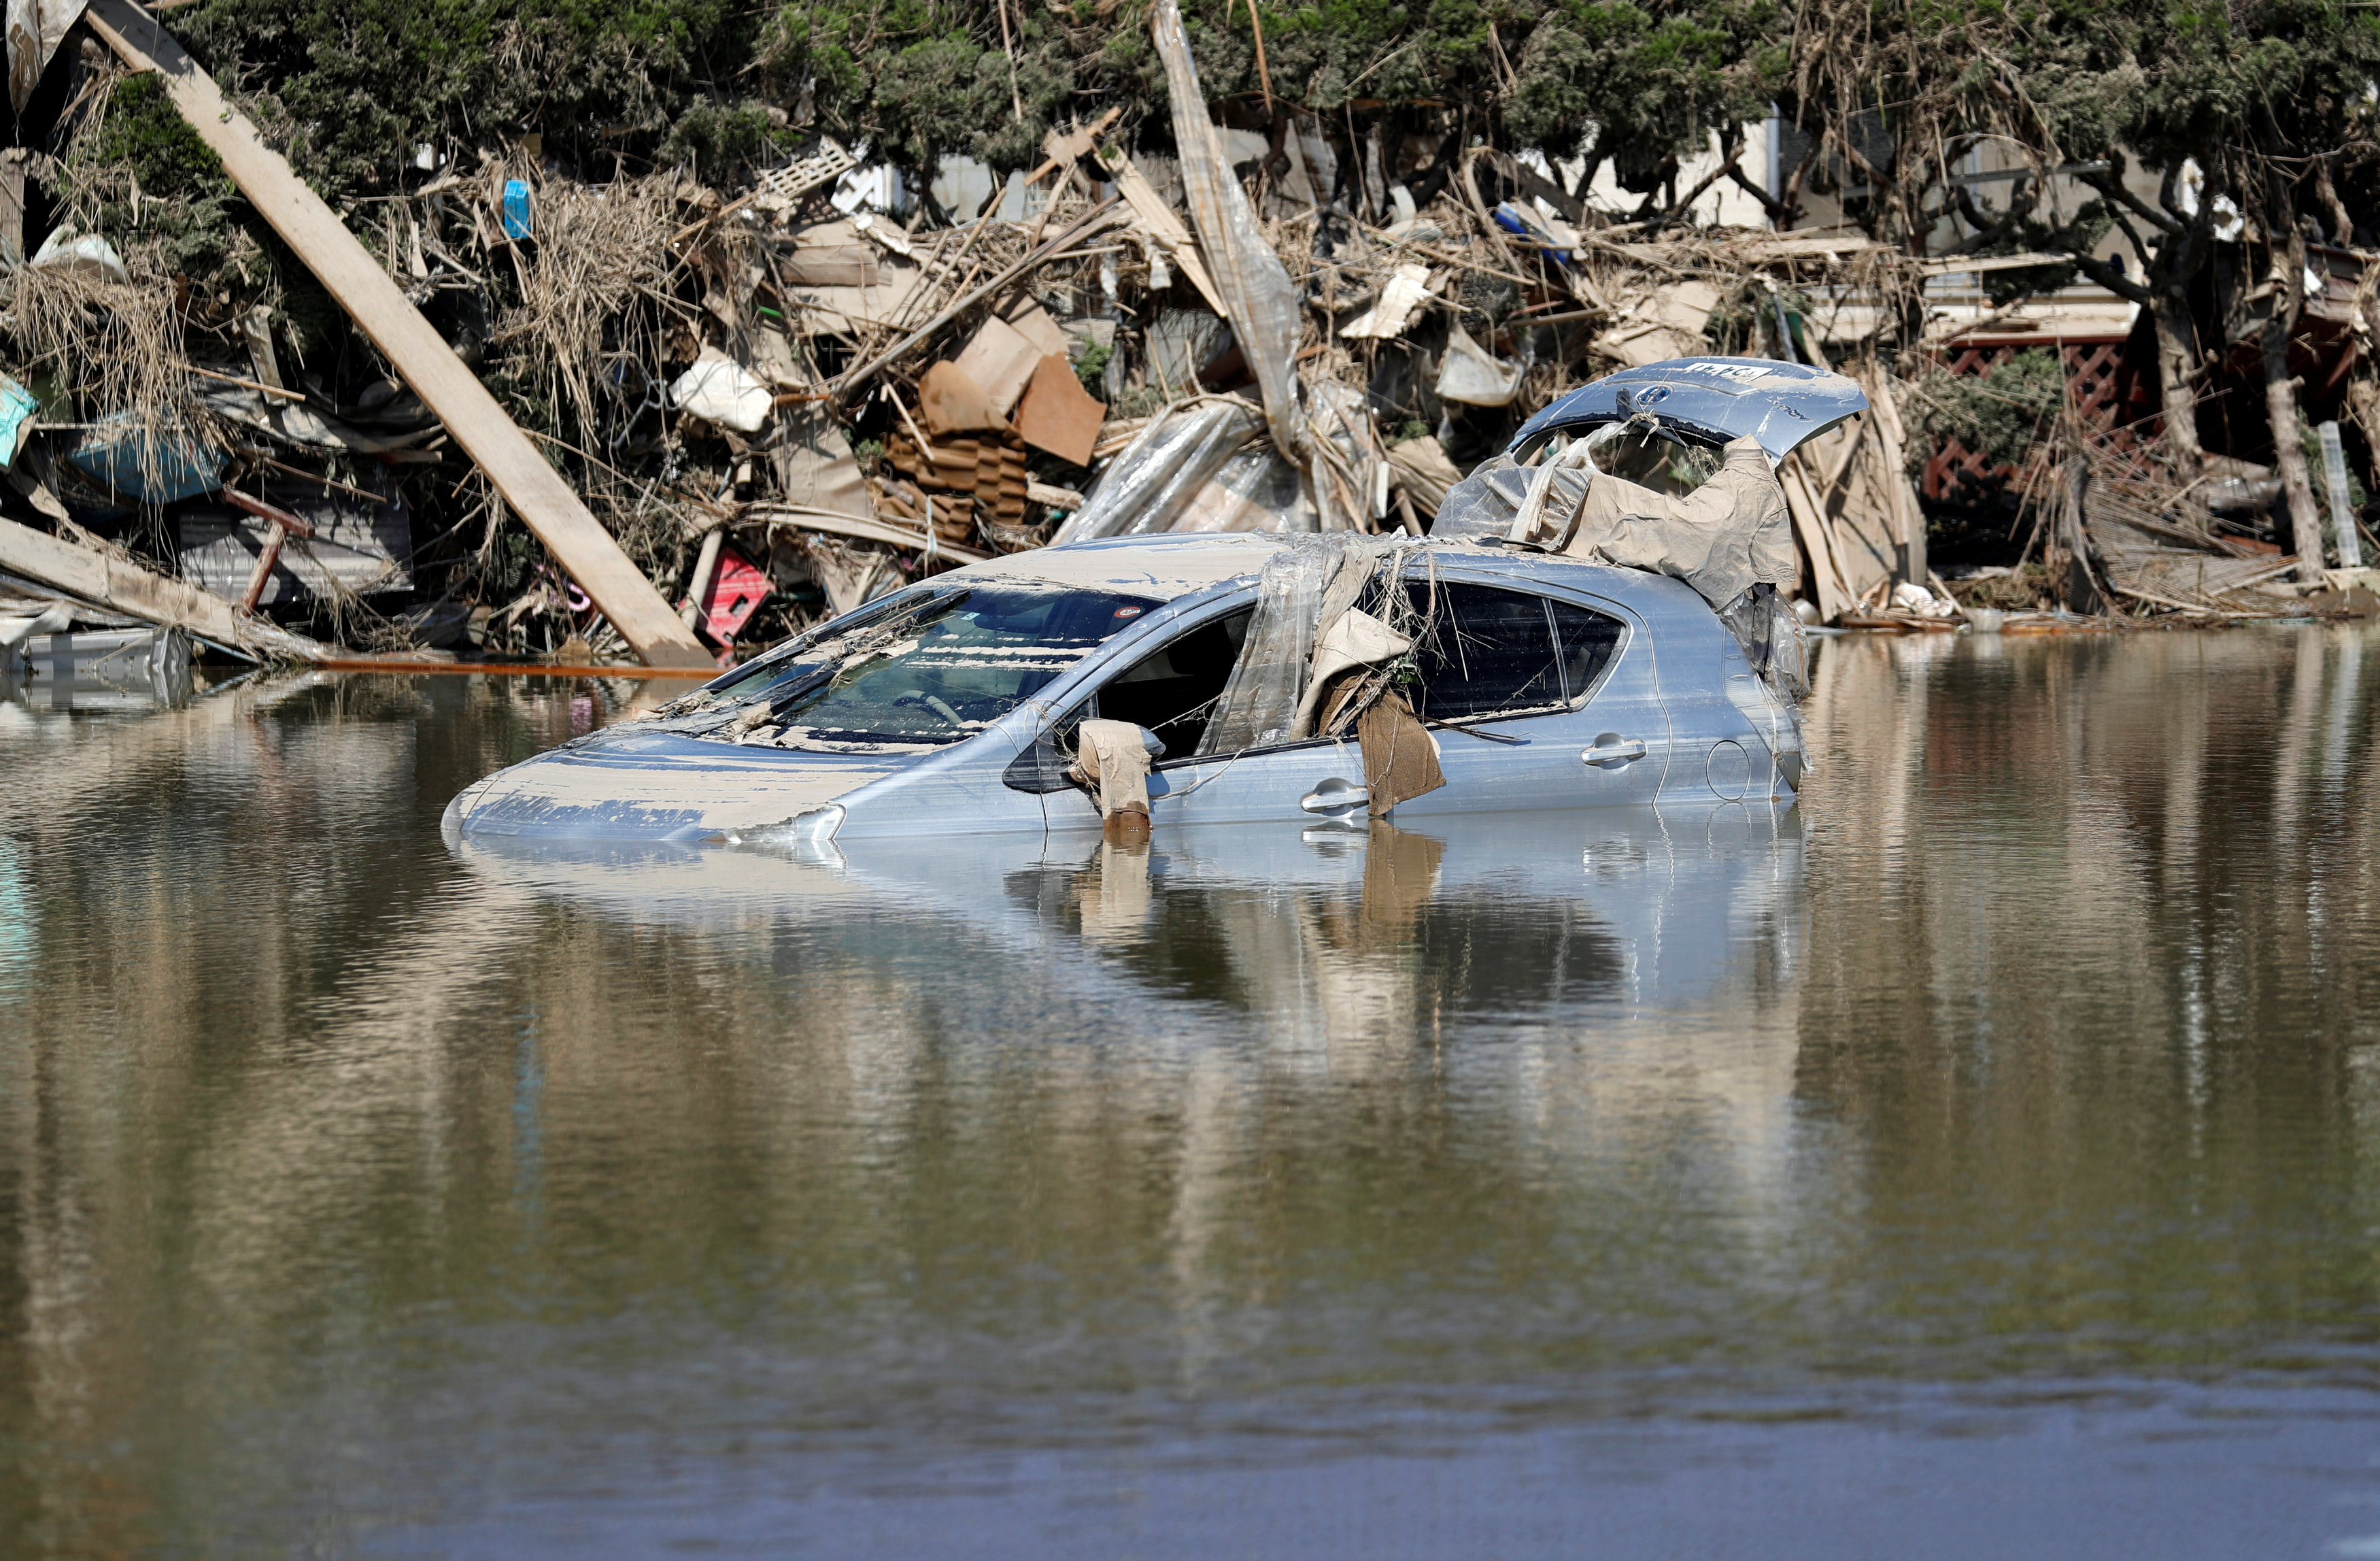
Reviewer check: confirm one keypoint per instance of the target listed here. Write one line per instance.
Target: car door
(1170, 688)
(1486, 677)
(1532, 701)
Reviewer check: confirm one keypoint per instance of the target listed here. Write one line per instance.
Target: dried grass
(119, 346)
(596, 284)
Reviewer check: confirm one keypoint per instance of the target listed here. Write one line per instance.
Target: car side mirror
(1041, 768)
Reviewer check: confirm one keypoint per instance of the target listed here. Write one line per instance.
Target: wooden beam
(1809, 517)
(119, 587)
(860, 529)
(536, 492)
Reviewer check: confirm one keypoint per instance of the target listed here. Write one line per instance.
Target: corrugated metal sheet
(368, 548)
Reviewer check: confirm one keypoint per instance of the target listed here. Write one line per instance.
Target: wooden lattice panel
(2108, 391)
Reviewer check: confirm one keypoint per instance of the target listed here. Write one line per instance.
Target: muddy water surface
(1980, 1160)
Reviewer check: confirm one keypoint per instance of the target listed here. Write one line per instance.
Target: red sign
(737, 590)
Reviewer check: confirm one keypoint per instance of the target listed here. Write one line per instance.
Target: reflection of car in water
(1644, 908)
(1252, 665)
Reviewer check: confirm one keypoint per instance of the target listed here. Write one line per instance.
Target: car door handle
(1335, 797)
(1610, 751)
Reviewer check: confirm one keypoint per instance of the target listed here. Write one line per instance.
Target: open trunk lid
(1780, 404)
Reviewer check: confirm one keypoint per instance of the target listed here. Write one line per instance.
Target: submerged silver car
(1542, 681)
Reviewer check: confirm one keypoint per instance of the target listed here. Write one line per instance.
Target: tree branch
(1778, 212)
(2110, 276)
(1686, 202)
(2110, 183)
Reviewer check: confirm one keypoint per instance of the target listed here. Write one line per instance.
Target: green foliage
(1645, 85)
(1998, 414)
(917, 79)
(352, 85)
(1091, 363)
(140, 171)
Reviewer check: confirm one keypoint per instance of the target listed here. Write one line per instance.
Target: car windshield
(968, 660)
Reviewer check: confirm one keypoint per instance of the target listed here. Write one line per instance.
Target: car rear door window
(1585, 640)
(1503, 653)
(1490, 651)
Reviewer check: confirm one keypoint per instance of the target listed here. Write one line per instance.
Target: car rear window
(1496, 652)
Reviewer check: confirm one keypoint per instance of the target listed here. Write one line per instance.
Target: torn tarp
(1305, 590)
(1259, 297)
(1722, 537)
(1152, 482)
(1400, 756)
(1470, 374)
(1728, 535)
(1112, 759)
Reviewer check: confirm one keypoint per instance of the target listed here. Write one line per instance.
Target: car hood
(1780, 405)
(626, 784)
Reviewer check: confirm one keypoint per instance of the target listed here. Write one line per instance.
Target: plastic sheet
(1259, 297)
(1303, 592)
(1722, 537)
(1471, 374)
(1770, 638)
(1254, 491)
(1259, 704)
(722, 392)
(90, 252)
(1483, 503)
(17, 408)
(1147, 487)
(1348, 469)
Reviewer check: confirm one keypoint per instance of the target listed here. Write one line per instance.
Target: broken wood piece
(126, 588)
(1162, 224)
(1061, 150)
(273, 390)
(1052, 497)
(536, 492)
(1090, 223)
(283, 526)
(1810, 528)
(859, 529)
(1058, 415)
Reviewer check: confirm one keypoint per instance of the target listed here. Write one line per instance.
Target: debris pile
(516, 410)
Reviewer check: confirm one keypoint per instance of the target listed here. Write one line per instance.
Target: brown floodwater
(1980, 1159)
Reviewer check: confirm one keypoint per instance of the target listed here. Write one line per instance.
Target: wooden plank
(861, 529)
(1810, 524)
(109, 583)
(535, 489)
(12, 203)
(1892, 449)
(1162, 224)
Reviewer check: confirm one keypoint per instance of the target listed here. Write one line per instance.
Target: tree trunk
(2281, 405)
(2177, 360)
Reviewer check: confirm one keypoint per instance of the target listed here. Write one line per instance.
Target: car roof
(1164, 566)
(1172, 565)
